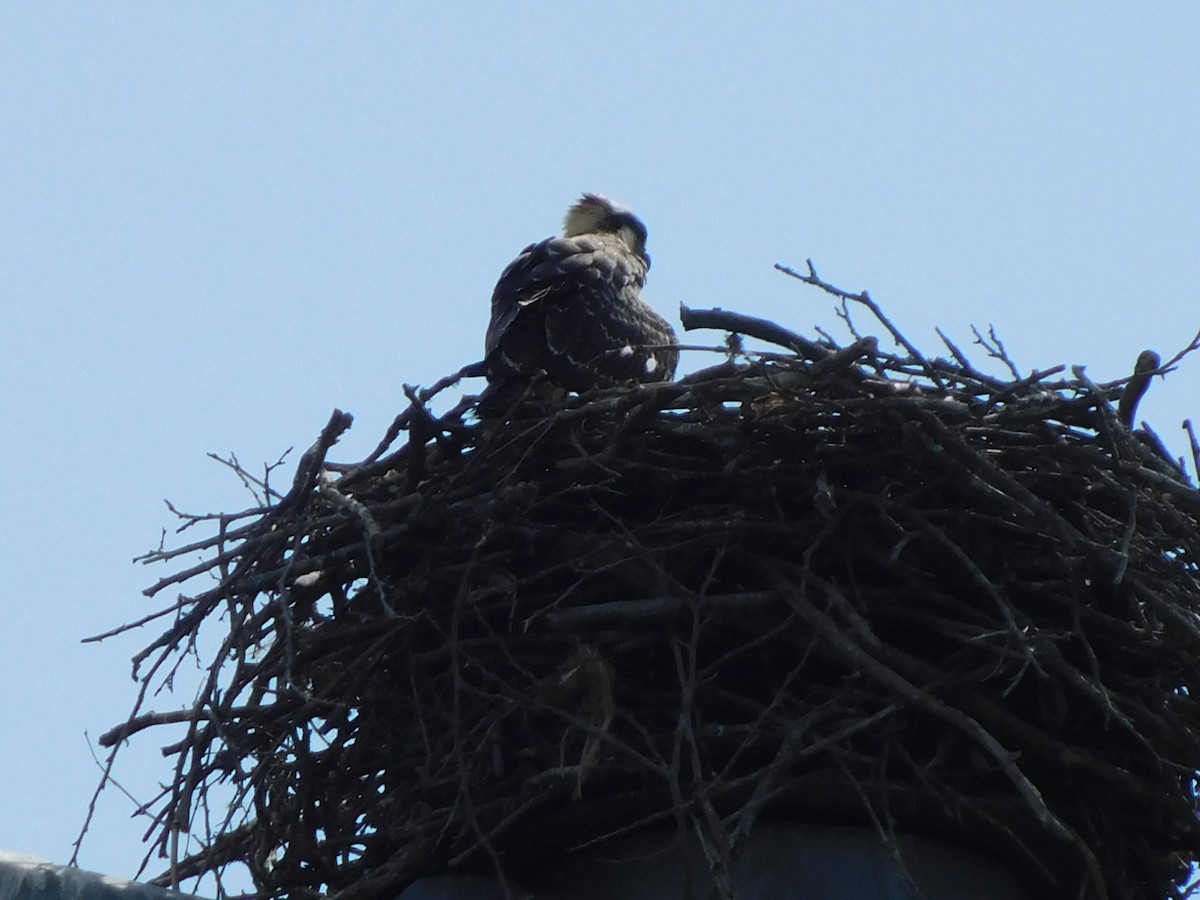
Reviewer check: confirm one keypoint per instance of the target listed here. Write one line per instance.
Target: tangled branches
(824, 583)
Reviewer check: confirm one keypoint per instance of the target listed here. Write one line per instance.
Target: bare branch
(865, 299)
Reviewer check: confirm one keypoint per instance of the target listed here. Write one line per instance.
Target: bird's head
(594, 214)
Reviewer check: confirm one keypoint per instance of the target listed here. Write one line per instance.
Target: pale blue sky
(222, 220)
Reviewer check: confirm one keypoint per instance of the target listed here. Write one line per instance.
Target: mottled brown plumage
(568, 310)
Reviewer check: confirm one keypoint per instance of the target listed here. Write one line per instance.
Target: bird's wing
(569, 308)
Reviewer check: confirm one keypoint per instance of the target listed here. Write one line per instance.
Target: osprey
(569, 309)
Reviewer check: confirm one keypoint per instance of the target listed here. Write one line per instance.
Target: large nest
(824, 584)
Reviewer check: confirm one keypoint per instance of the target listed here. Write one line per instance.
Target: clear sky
(222, 220)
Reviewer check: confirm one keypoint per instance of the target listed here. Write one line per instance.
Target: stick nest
(823, 584)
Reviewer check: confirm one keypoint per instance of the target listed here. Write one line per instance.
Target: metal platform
(29, 878)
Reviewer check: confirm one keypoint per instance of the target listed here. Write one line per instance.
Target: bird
(568, 310)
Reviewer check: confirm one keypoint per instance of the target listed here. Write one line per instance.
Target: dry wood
(969, 601)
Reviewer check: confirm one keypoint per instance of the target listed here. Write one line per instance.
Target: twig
(1192, 346)
(1147, 363)
(750, 326)
(310, 463)
(865, 299)
(995, 349)
(1194, 445)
